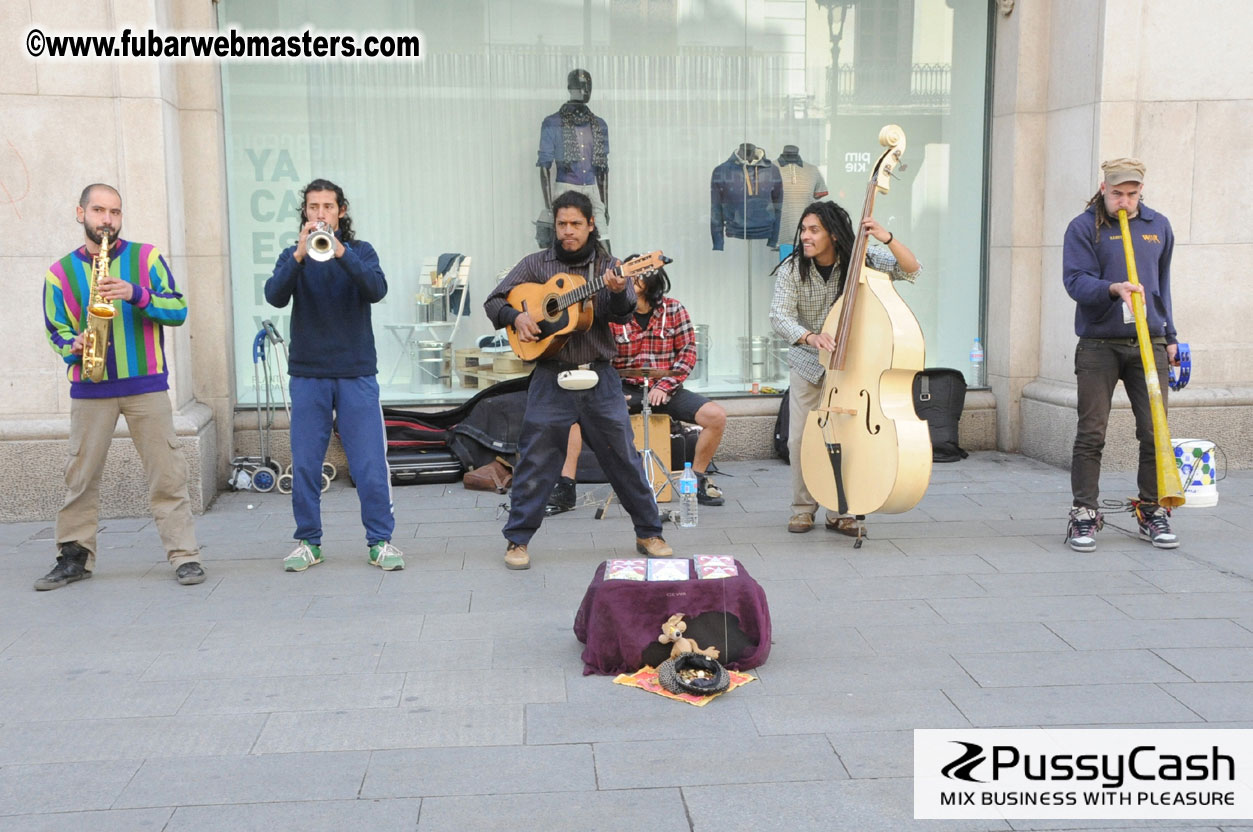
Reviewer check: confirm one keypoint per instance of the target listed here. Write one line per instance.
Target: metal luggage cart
(263, 472)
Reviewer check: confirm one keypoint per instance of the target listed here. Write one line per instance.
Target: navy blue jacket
(331, 334)
(1091, 261)
(746, 200)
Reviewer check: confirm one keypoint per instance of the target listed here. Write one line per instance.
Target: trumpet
(1169, 489)
(100, 313)
(321, 243)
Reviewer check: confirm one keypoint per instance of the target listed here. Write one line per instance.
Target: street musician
(1095, 273)
(809, 281)
(551, 408)
(117, 365)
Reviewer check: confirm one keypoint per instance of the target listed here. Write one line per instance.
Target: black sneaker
(71, 566)
(707, 494)
(1154, 523)
(189, 574)
(562, 499)
(1082, 529)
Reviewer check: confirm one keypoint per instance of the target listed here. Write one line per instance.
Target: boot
(71, 566)
(562, 499)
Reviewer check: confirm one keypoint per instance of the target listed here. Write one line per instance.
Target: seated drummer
(660, 336)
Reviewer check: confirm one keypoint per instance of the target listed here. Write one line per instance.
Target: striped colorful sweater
(136, 360)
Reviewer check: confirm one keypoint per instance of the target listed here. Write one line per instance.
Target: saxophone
(100, 314)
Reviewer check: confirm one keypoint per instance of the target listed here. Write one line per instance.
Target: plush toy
(672, 633)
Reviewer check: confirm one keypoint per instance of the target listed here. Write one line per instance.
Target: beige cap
(1118, 171)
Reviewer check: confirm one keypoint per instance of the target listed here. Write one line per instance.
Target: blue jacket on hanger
(746, 198)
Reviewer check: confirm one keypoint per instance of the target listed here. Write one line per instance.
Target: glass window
(439, 159)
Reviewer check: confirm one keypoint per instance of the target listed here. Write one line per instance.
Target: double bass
(864, 449)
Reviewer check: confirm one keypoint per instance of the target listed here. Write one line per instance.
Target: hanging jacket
(746, 199)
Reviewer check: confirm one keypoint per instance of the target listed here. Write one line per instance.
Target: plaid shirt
(669, 343)
(801, 306)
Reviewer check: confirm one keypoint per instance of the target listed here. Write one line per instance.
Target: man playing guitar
(551, 409)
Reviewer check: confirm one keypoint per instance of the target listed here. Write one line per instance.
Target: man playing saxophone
(133, 382)
(1094, 270)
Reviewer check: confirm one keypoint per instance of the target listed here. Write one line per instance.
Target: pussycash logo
(1144, 763)
(963, 767)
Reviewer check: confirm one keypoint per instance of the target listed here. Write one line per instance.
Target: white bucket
(432, 367)
(700, 371)
(756, 358)
(1195, 460)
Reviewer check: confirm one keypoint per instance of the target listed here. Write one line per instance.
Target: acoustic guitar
(562, 305)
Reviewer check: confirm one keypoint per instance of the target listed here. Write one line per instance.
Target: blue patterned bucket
(1197, 471)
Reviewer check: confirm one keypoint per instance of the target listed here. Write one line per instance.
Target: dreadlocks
(836, 222)
(1102, 216)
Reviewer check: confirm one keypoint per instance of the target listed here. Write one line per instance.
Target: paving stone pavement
(450, 695)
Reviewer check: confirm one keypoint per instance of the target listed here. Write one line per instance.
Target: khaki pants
(151, 422)
(803, 396)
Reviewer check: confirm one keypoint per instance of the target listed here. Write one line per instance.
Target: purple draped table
(619, 619)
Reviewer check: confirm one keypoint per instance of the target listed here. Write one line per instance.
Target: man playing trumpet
(332, 279)
(1094, 270)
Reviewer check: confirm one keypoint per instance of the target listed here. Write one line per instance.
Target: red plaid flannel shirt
(669, 343)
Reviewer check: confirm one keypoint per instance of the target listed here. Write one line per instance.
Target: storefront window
(438, 158)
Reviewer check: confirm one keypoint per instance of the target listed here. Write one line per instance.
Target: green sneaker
(386, 556)
(302, 557)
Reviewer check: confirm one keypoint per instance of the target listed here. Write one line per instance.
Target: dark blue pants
(355, 401)
(602, 414)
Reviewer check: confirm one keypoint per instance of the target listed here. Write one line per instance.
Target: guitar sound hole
(551, 307)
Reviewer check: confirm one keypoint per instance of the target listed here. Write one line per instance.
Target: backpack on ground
(781, 428)
(939, 396)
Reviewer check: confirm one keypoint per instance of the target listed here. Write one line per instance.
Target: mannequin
(802, 184)
(745, 194)
(577, 140)
(791, 155)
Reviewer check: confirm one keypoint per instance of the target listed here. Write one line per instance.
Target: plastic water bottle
(687, 497)
(976, 365)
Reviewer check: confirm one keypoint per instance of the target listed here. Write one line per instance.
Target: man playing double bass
(1094, 269)
(808, 283)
